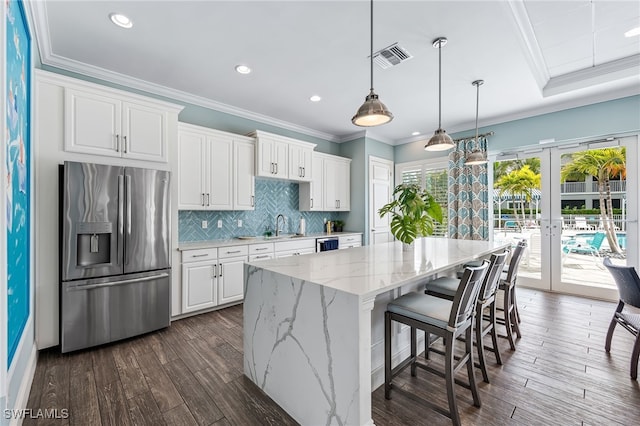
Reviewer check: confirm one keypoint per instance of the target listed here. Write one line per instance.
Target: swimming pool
(622, 238)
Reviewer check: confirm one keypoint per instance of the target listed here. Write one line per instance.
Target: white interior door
(380, 192)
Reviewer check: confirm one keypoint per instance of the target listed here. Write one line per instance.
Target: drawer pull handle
(262, 257)
(234, 251)
(200, 255)
(261, 248)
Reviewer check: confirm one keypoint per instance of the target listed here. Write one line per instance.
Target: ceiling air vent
(391, 56)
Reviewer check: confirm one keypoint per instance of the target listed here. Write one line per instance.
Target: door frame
(551, 216)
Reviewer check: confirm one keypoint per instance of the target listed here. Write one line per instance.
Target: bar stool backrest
(492, 277)
(512, 273)
(628, 282)
(467, 295)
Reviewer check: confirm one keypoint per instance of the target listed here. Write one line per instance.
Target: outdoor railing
(576, 187)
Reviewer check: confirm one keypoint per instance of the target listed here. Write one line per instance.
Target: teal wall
(604, 118)
(359, 150)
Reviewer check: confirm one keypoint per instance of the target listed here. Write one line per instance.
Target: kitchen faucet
(284, 221)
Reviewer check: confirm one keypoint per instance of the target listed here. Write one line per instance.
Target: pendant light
(440, 140)
(372, 112)
(477, 156)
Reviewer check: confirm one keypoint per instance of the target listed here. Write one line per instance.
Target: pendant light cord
(440, 84)
(477, 107)
(371, 46)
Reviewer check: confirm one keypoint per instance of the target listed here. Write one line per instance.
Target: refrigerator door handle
(120, 246)
(128, 203)
(81, 287)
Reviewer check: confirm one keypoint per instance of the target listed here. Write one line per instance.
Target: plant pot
(408, 247)
(337, 228)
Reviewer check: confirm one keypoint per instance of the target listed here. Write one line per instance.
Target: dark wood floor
(191, 374)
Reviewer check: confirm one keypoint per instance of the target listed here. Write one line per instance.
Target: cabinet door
(330, 183)
(265, 163)
(191, 174)
(310, 194)
(243, 178)
(300, 166)
(281, 159)
(198, 286)
(343, 189)
(231, 280)
(92, 123)
(144, 132)
(220, 159)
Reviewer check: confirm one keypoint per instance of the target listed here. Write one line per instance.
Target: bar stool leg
(387, 355)
(514, 312)
(470, 367)
(507, 318)
(634, 358)
(515, 304)
(449, 378)
(494, 332)
(480, 343)
(427, 345)
(414, 354)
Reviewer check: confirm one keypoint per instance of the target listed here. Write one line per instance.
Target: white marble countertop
(370, 270)
(195, 245)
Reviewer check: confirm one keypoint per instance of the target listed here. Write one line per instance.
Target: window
(434, 176)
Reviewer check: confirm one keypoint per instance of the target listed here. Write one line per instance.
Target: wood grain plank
(114, 410)
(202, 407)
(104, 367)
(144, 411)
(84, 408)
(131, 376)
(162, 388)
(180, 416)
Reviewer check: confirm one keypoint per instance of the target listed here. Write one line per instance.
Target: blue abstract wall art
(18, 171)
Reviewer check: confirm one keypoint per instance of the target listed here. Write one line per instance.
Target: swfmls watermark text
(40, 413)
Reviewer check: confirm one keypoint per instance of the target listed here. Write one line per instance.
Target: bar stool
(443, 318)
(507, 284)
(446, 288)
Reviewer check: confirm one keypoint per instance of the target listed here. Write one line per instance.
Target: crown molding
(47, 57)
(609, 71)
(529, 42)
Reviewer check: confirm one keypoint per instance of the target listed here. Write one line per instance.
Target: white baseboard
(25, 385)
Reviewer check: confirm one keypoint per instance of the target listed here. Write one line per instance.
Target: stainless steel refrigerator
(115, 253)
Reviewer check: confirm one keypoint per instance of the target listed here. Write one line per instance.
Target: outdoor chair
(581, 223)
(591, 246)
(628, 282)
(441, 318)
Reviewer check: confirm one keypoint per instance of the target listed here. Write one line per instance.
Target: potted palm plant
(414, 212)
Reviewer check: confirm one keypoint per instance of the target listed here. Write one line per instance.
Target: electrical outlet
(219, 223)
(239, 223)
(204, 224)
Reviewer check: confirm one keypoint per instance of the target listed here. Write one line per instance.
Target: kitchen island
(309, 322)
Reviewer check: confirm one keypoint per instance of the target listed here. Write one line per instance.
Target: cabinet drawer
(295, 245)
(199, 255)
(298, 252)
(263, 256)
(349, 239)
(232, 251)
(261, 248)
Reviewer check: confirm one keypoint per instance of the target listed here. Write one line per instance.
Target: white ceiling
(535, 57)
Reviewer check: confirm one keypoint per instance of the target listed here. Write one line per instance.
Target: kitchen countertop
(195, 245)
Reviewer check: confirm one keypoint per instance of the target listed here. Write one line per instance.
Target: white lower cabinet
(349, 241)
(295, 247)
(231, 280)
(199, 278)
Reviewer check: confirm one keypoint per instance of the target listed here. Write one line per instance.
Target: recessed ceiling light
(415, 133)
(121, 20)
(243, 69)
(632, 32)
(315, 98)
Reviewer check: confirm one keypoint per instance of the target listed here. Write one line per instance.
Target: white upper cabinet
(310, 194)
(300, 163)
(105, 122)
(216, 170)
(282, 157)
(336, 183)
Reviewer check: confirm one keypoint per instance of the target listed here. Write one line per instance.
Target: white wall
(3, 226)
(49, 154)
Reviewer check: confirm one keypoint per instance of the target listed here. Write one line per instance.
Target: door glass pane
(517, 199)
(593, 202)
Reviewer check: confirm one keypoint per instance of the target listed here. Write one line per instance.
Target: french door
(561, 222)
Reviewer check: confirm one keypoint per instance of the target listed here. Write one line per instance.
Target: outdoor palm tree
(519, 182)
(602, 164)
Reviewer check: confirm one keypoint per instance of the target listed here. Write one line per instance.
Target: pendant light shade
(477, 156)
(440, 140)
(372, 112)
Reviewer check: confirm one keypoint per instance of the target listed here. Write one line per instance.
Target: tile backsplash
(273, 197)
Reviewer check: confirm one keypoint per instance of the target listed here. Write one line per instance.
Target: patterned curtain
(468, 194)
